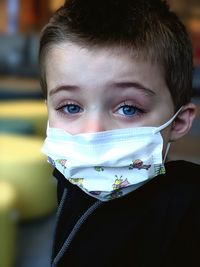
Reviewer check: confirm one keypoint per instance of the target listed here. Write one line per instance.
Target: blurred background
(27, 189)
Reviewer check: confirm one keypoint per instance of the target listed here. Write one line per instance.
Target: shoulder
(181, 165)
(179, 187)
(183, 171)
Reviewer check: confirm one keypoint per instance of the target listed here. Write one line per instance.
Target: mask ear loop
(166, 124)
(166, 151)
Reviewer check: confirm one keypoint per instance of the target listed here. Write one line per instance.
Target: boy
(117, 77)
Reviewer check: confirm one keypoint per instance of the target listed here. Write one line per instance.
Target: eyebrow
(118, 85)
(137, 85)
(60, 88)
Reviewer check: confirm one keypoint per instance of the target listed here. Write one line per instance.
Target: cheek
(56, 121)
(53, 119)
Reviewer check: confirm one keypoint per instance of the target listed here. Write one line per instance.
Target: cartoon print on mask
(138, 164)
(120, 183)
(77, 181)
(62, 162)
(99, 168)
(159, 169)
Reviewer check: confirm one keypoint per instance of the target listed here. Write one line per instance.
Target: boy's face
(91, 90)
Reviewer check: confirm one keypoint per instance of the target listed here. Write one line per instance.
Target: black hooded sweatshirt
(156, 225)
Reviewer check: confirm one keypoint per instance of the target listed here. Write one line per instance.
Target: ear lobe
(183, 122)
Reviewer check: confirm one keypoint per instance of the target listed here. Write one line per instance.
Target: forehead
(111, 53)
(69, 62)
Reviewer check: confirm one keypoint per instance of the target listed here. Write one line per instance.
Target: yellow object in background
(27, 188)
(24, 166)
(34, 112)
(8, 223)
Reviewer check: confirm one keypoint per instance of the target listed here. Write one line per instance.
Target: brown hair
(148, 27)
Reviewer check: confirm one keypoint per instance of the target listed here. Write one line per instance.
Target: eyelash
(136, 112)
(61, 108)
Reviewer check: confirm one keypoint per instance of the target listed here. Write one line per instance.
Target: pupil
(73, 109)
(128, 110)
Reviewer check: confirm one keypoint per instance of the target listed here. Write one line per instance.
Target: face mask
(110, 164)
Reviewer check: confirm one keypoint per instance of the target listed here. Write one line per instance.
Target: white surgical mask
(109, 164)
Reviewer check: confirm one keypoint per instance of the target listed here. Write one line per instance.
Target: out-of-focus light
(55, 4)
(13, 13)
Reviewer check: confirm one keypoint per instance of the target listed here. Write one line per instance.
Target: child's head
(135, 54)
(147, 27)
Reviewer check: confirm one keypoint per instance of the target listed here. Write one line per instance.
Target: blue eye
(128, 110)
(72, 109)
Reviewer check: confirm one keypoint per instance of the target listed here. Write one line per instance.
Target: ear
(183, 122)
